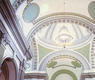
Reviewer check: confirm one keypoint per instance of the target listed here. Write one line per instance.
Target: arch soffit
(71, 53)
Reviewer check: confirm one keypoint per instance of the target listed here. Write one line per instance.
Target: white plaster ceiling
(48, 7)
(64, 35)
(53, 6)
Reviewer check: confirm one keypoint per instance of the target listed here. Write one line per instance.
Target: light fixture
(64, 39)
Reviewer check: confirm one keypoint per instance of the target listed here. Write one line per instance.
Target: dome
(60, 35)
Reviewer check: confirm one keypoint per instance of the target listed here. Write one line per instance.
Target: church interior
(47, 39)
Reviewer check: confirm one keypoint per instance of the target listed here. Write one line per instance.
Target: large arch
(9, 71)
(65, 17)
(78, 56)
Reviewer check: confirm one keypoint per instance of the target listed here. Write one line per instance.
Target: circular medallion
(91, 9)
(31, 12)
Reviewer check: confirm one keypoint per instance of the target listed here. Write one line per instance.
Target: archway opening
(8, 69)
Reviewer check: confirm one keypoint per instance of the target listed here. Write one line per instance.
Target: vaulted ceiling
(28, 13)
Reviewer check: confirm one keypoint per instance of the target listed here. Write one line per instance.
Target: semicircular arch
(76, 55)
(66, 17)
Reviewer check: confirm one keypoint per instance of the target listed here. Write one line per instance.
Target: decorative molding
(92, 53)
(53, 63)
(64, 71)
(36, 75)
(35, 54)
(62, 17)
(64, 14)
(21, 70)
(17, 3)
(59, 18)
(12, 26)
(7, 40)
(64, 53)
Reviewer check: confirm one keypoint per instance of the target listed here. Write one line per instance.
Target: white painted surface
(64, 76)
(90, 79)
